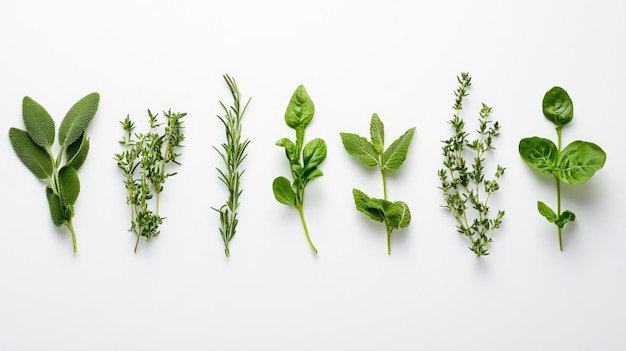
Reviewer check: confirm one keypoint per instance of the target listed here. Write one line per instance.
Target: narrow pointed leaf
(77, 152)
(395, 155)
(39, 124)
(558, 106)
(539, 153)
(579, 161)
(547, 212)
(360, 148)
(78, 118)
(377, 132)
(33, 156)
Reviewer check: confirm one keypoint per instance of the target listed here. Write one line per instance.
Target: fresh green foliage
(465, 187)
(302, 162)
(33, 147)
(233, 153)
(575, 164)
(143, 164)
(395, 215)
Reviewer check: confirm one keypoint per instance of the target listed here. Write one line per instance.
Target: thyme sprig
(143, 164)
(464, 187)
(233, 153)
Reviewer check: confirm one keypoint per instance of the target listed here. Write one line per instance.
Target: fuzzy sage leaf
(395, 215)
(302, 163)
(575, 164)
(34, 148)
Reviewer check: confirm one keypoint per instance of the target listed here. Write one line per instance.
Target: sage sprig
(464, 187)
(303, 161)
(575, 164)
(233, 153)
(143, 163)
(396, 214)
(33, 146)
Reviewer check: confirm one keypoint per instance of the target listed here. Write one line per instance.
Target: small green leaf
(360, 148)
(566, 216)
(69, 185)
(283, 191)
(547, 212)
(579, 161)
(77, 152)
(314, 174)
(539, 153)
(398, 215)
(78, 118)
(33, 156)
(395, 155)
(39, 124)
(557, 106)
(300, 109)
(371, 207)
(314, 153)
(290, 150)
(54, 203)
(377, 132)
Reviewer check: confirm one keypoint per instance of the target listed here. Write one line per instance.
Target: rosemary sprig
(143, 164)
(233, 153)
(461, 185)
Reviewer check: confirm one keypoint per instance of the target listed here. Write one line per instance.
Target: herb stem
(137, 243)
(382, 171)
(558, 188)
(306, 229)
(389, 230)
(71, 228)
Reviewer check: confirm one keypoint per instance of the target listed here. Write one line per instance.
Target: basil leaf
(69, 185)
(539, 153)
(579, 161)
(314, 174)
(566, 216)
(314, 153)
(547, 212)
(398, 215)
(77, 151)
(395, 155)
(54, 203)
(377, 132)
(360, 148)
(290, 150)
(558, 106)
(373, 208)
(39, 124)
(78, 118)
(33, 156)
(283, 191)
(300, 109)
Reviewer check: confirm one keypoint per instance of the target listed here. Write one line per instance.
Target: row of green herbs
(146, 155)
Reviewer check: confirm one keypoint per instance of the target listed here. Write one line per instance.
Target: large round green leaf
(579, 161)
(557, 106)
(539, 153)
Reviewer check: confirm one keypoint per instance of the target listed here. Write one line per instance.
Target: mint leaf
(360, 148)
(395, 155)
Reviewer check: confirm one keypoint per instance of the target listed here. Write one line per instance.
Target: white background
(397, 58)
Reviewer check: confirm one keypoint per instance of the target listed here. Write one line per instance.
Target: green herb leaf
(290, 150)
(557, 106)
(314, 174)
(77, 152)
(78, 118)
(539, 153)
(56, 210)
(314, 153)
(371, 207)
(547, 212)
(377, 132)
(283, 191)
(69, 185)
(39, 124)
(360, 148)
(579, 161)
(300, 110)
(398, 215)
(565, 217)
(33, 156)
(395, 155)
